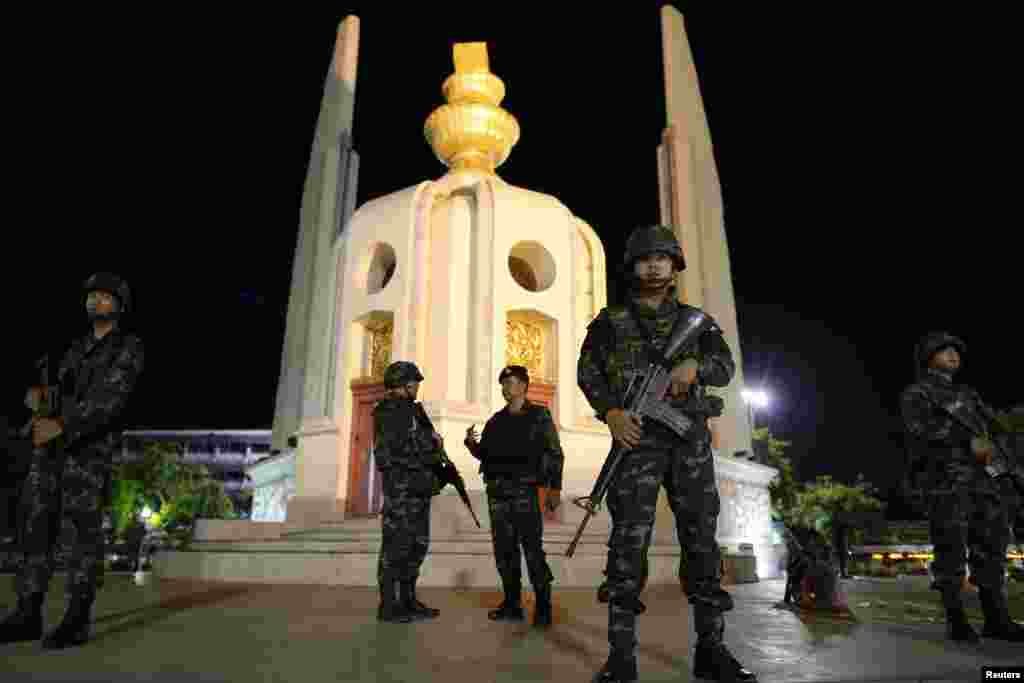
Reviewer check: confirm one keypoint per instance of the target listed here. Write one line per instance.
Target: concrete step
(365, 544)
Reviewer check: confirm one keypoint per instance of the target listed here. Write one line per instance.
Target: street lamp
(755, 398)
(146, 515)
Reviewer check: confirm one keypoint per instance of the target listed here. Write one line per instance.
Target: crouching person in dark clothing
(518, 452)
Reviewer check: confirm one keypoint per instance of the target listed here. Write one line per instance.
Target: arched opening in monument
(380, 267)
(532, 266)
(372, 336)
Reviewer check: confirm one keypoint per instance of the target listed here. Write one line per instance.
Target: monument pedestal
(317, 476)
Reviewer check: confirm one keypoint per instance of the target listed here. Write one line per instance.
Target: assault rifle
(44, 401)
(1000, 468)
(445, 470)
(645, 398)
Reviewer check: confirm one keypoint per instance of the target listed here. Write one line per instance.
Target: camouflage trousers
(405, 522)
(611, 503)
(687, 473)
(968, 527)
(516, 520)
(50, 495)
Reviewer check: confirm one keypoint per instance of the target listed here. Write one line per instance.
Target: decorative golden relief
(524, 345)
(380, 348)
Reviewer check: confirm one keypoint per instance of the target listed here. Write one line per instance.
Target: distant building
(226, 453)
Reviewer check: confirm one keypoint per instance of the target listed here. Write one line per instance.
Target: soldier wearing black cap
(947, 426)
(519, 451)
(97, 377)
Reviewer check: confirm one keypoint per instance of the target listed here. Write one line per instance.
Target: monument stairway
(345, 552)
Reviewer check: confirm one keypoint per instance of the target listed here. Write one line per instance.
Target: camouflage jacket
(939, 446)
(618, 346)
(97, 379)
(546, 458)
(402, 436)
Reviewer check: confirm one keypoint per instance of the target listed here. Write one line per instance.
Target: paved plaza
(185, 631)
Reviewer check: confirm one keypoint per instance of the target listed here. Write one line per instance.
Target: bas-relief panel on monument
(530, 342)
(377, 333)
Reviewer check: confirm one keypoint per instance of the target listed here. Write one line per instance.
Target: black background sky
(177, 146)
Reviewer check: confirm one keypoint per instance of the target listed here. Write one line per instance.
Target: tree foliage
(824, 501)
(817, 504)
(178, 492)
(784, 488)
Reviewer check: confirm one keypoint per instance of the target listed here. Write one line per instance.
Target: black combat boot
(542, 611)
(391, 609)
(713, 661)
(25, 622)
(74, 628)
(957, 626)
(413, 606)
(998, 624)
(511, 608)
(618, 669)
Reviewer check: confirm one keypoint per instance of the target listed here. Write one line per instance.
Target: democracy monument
(462, 275)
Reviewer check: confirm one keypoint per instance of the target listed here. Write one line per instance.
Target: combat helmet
(932, 343)
(400, 373)
(650, 239)
(112, 284)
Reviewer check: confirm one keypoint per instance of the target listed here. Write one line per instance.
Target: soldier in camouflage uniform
(407, 451)
(620, 342)
(968, 509)
(97, 376)
(518, 452)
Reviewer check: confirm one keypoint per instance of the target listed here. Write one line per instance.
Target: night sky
(854, 221)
